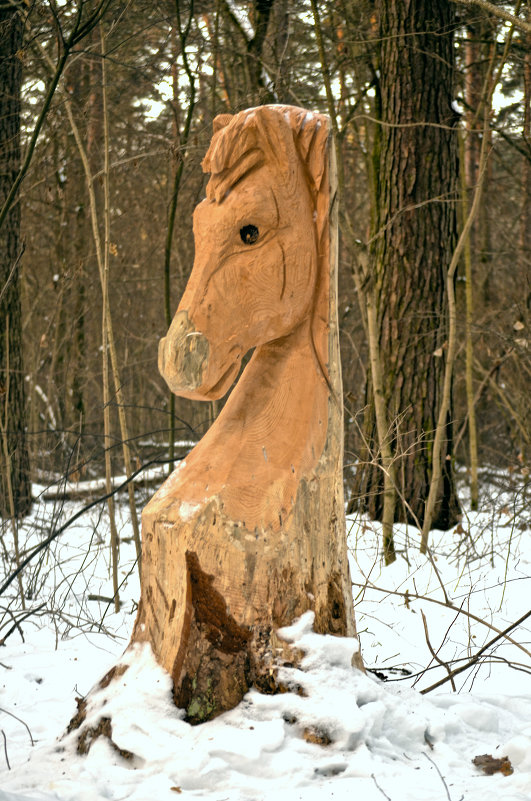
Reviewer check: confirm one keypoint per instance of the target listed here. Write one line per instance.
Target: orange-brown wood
(249, 532)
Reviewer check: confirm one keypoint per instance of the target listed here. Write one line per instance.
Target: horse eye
(249, 234)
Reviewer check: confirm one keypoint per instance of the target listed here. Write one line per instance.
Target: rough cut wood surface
(249, 532)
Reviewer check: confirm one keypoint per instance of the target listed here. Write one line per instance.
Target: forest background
(126, 93)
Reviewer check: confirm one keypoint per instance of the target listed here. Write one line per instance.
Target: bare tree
(413, 236)
(15, 482)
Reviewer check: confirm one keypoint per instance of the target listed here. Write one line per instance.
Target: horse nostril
(183, 355)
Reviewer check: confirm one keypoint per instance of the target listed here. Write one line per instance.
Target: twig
(44, 544)
(476, 657)
(499, 12)
(12, 271)
(236, 22)
(5, 749)
(373, 777)
(17, 622)
(441, 583)
(16, 625)
(406, 675)
(7, 712)
(497, 364)
(440, 774)
(449, 605)
(445, 665)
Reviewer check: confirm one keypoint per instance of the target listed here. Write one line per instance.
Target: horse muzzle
(183, 356)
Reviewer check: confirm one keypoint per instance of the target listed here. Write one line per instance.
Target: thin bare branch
(11, 715)
(5, 749)
(434, 654)
(55, 534)
(476, 657)
(407, 596)
(77, 34)
(12, 271)
(497, 11)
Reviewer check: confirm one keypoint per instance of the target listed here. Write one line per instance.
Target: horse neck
(281, 410)
(272, 387)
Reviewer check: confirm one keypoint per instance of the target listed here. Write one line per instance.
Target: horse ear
(221, 121)
(312, 142)
(216, 153)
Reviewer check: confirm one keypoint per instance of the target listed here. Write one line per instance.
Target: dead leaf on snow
(491, 765)
(316, 736)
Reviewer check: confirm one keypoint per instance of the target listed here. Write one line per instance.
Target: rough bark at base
(217, 636)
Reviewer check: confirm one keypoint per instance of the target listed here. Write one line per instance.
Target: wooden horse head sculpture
(248, 533)
(257, 248)
(260, 280)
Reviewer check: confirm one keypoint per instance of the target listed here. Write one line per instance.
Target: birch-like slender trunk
(181, 138)
(105, 326)
(109, 348)
(490, 85)
(124, 429)
(469, 350)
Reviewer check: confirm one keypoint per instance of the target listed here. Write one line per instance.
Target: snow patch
(335, 734)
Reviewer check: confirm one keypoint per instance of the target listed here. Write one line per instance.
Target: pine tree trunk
(414, 233)
(15, 481)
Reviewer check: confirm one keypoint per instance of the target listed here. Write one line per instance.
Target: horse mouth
(222, 386)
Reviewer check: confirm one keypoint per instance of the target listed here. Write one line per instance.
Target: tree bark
(414, 233)
(15, 480)
(524, 234)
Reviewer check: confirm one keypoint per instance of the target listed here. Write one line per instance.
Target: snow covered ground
(346, 736)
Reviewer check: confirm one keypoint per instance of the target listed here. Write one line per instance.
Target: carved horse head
(259, 236)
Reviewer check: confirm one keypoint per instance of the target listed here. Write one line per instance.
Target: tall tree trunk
(261, 11)
(15, 481)
(524, 234)
(414, 232)
(245, 80)
(79, 85)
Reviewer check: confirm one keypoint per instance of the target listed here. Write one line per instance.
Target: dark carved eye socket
(249, 234)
